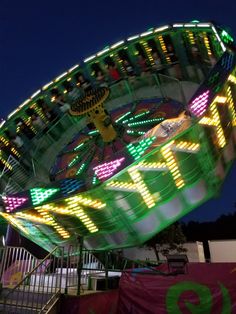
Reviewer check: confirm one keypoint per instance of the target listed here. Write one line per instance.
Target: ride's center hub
(92, 105)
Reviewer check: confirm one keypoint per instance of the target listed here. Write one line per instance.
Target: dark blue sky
(41, 39)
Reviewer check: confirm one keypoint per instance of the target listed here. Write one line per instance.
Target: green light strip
(145, 122)
(138, 150)
(135, 132)
(80, 169)
(136, 116)
(74, 161)
(139, 115)
(95, 179)
(39, 195)
(93, 132)
(78, 147)
(122, 117)
(226, 36)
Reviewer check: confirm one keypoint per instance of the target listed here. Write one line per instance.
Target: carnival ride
(132, 152)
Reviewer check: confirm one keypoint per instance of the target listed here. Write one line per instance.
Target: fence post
(80, 263)
(67, 267)
(106, 270)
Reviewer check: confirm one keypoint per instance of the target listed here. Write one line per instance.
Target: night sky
(41, 39)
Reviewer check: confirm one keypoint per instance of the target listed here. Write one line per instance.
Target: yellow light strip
(231, 105)
(32, 218)
(79, 212)
(58, 210)
(15, 152)
(164, 49)
(207, 44)
(4, 140)
(15, 222)
(85, 202)
(28, 123)
(7, 143)
(5, 162)
(141, 187)
(73, 209)
(187, 146)
(152, 165)
(221, 99)
(119, 61)
(50, 220)
(214, 120)
(148, 51)
(207, 121)
(191, 37)
(232, 79)
(169, 164)
(172, 164)
(40, 113)
(138, 186)
(122, 186)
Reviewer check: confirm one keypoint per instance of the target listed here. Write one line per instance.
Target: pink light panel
(13, 202)
(199, 104)
(107, 169)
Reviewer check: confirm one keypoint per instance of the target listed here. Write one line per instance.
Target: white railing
(36, 288)
(35, 284)
(16, 262)
(90, 265)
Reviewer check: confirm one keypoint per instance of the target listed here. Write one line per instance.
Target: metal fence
(35, 285)
(31, 285)
(77, 276)
(15, 263)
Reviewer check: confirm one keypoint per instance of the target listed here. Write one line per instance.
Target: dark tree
(221, 228)
(170, 239)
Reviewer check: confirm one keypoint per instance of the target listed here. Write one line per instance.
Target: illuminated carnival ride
(133, 152)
